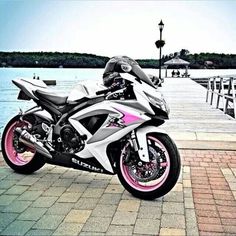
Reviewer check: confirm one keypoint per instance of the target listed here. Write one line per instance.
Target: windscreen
(139, 73)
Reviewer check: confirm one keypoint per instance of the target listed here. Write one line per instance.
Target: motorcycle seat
(52, 97)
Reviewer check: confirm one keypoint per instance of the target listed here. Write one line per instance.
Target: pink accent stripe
(129, 118)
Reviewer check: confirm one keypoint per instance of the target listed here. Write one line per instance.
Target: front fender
(141, 135)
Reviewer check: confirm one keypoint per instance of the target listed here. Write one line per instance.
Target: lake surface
(66, 79)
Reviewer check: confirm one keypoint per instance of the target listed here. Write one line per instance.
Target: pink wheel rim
(13, 156)
(151, 185)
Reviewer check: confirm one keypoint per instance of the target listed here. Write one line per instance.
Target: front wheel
(155, 178)
(19, 157)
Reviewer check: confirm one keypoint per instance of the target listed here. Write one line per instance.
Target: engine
(71, 141)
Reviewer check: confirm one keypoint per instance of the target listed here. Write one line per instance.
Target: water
(66, 79)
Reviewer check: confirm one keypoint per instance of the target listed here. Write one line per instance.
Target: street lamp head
(161, 25)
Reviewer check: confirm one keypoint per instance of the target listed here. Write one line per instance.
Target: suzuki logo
(85, 165)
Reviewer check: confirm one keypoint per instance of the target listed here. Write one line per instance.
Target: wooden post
(234, 95)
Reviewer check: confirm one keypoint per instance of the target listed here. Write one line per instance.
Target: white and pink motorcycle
(111, 131)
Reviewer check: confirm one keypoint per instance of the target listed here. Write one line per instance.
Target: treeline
(205, 60)
(51, 59)
(83, 60)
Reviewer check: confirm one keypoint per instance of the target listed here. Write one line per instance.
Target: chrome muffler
(30, 141)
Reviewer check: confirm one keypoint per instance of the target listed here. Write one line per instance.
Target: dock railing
(224, 89)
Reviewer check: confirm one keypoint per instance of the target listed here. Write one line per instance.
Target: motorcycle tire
(164, 183)
(17, 159)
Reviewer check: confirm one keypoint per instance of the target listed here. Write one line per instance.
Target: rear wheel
(19, 157)
(155, 178)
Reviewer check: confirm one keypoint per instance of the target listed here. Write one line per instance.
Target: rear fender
(141, 135)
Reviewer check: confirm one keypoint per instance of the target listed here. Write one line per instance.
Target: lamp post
(161, 26)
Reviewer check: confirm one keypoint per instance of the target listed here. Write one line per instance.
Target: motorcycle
(113, 131)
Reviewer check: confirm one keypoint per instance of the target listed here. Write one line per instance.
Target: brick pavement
(61, 201)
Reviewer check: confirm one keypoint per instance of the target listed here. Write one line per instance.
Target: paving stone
(70, 173)
(5, 170)
(146, 212)
(186, 176)
(124, 218)
(172, 232)
(154, 203)
(39, 232)
(41, 185)
(173, 208)
(174, 197)
(186, 169)
(6, 183)
(234, 193)
(84, 179)
(102, 176)
(226, 171)
(97, 224)
(93, 193)
(120, 230)
(178, 187)
(30, 195)
(128, 205)
(6, 219)
(58, 170)
(51, 176)
(54, 191)
(16, 190)
(32, 214)
(7, 199)
(110, 198)
(28, 181)
(18, 228)
(86, 203)
(2, 176)
(63, 182)
(114, 188)
(127, 196)
(114, 180)
(2, 191)
(17, 206)
(98, 183)
(59, 208)
(68, 229)
(188, 192)
(147, 226)
(104, 210)
(44, 201)
(89, 233)
(188, 203)
(69, 197)
(232, 186)
(49, 222)
(191, 222)
(78, 216)
(187, 183)
(77, 188)
(172, 221)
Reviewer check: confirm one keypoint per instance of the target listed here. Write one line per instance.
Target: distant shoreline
(83, 60)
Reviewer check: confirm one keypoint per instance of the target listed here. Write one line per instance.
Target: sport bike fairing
(120, 121)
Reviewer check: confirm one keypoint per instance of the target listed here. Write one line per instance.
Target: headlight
(160, 103)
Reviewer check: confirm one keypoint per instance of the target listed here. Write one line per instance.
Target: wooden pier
(193, 122)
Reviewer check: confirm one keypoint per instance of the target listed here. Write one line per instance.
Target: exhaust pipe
(30, 141)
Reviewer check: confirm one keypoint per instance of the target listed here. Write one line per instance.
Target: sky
(111, 28)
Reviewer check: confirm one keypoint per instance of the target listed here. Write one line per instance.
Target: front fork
(139, 141)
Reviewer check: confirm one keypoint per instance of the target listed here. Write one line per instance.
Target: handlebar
(104, 91)
(112, 88)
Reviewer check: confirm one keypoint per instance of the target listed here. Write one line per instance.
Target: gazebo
(177, 62)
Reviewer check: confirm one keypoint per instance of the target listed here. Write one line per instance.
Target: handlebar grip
(102, 91)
